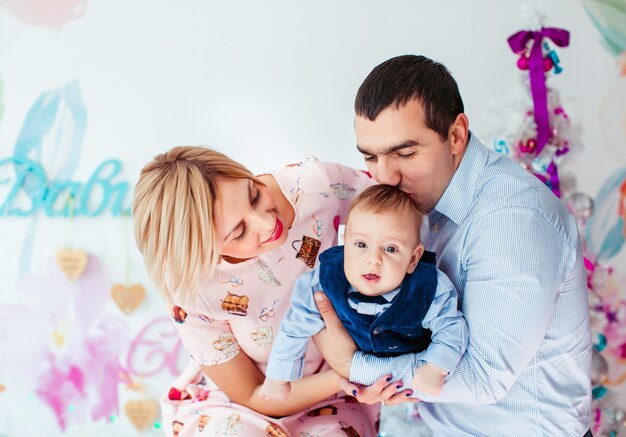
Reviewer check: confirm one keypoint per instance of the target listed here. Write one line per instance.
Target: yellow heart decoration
(141, 414)
(72, 262)
(2, 388)
(128, 298)
(59, 338)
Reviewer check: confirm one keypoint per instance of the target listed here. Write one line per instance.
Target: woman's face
(247, 219)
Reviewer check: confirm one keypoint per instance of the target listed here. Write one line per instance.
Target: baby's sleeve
(449, 328)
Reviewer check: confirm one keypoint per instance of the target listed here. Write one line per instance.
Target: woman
(226, 247)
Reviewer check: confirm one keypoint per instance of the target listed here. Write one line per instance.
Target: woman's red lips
(278, 231)
(371, 276)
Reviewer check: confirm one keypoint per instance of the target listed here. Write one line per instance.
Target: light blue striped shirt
(513, 251)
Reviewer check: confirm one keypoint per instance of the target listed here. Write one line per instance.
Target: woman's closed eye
(256, 196)
(242, 235)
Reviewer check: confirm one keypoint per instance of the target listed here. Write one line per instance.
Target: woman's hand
(384, 390)
(334, 341)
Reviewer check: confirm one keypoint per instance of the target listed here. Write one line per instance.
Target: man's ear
(459, 134)
(415, 258)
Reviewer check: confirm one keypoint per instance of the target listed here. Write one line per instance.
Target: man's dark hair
(403, 78)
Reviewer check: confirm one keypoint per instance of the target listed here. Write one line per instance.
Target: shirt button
(376, 331)
(436, 227)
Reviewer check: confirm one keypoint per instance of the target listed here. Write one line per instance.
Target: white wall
(266, 82)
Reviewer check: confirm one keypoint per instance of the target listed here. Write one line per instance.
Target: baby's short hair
(385, 198)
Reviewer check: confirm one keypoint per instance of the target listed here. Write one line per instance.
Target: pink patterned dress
(241, 307)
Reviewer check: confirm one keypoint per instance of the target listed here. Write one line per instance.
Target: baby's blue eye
(391, 249)
(360, 245)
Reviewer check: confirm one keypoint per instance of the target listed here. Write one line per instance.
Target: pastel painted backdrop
(91, 90)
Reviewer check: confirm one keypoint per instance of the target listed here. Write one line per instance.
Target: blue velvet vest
(396, 331)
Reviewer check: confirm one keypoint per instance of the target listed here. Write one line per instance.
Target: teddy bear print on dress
(227, 344)
(230, 426)
(235, 304)
(265, 273)
(263, 336)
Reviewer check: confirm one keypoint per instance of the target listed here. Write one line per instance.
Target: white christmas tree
(537, 132)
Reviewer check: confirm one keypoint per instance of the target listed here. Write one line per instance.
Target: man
(509, 246)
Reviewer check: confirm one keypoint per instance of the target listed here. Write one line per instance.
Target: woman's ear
(415, 258)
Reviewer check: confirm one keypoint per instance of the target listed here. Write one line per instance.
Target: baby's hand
(276, 390)
(429, 379)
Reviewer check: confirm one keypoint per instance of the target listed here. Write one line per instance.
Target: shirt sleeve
(508, 301)
(302, 321)
(448, 327)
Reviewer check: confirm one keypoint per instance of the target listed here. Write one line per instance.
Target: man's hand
(334, 342)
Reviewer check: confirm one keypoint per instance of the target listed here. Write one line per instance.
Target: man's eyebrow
(389, 150)
(238, 225)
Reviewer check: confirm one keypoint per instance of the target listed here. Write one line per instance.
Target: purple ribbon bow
(518, 43)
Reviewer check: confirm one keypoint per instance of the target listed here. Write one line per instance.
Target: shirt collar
(388, 296)
(456, 201)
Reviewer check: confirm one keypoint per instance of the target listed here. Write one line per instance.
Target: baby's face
(380, 249)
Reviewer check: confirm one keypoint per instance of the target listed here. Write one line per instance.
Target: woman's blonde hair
(173, 210)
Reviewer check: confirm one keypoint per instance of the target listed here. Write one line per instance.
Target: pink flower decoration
(83, 370)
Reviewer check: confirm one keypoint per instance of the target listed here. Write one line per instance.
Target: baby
(387, 292)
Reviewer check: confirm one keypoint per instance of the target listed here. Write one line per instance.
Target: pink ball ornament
(529, 146)
(522, 62)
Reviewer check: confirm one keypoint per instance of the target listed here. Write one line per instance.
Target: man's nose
(386, 173)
